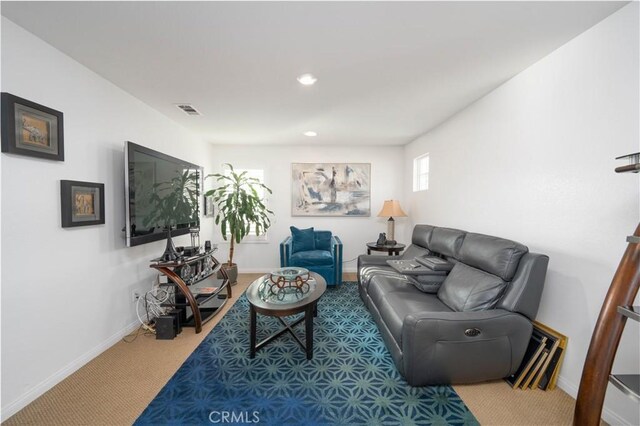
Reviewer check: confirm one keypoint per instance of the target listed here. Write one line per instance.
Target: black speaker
(164, 327)
(177, 324)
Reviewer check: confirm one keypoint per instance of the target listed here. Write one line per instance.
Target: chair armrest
(438, 339)
(285, 252)
(336, 249)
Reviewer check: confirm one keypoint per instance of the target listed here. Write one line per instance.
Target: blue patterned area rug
(351, 380)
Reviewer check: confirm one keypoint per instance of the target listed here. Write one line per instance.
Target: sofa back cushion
(469, 289)
(525, 289)
(421, 235)
(446, 241)
(414, 251)
(492, 254)
(302, 239)
(323, 240)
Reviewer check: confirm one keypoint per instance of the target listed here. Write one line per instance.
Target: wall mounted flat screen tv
(158, 190)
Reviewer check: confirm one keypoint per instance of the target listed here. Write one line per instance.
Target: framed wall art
(82, 203)
(31, 129)
(331, 189)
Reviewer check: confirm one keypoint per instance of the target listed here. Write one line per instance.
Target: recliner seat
(476, 326)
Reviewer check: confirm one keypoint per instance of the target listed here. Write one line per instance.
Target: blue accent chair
(325, 258)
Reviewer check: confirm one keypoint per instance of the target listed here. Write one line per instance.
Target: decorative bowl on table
(286, 285)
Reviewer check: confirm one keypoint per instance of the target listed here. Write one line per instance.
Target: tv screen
(161, 191)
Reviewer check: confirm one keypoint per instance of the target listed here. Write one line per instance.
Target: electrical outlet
(135, 295)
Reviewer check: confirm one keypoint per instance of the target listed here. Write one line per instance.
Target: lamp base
(391, 224)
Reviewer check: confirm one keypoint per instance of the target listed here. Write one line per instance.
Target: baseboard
(63, 373)
(607, 415)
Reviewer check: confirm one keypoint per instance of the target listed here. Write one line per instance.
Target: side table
(390, 249)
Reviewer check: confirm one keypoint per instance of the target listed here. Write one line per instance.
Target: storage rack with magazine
(202, 287)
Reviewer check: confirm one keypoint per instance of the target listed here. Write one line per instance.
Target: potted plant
(239, 207)
(172, 202)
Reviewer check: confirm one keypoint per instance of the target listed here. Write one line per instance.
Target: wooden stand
(608, 331)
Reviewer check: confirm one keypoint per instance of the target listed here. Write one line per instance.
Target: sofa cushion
(427, 283)
(323, 240)
(302, 239)
(446, 241)
(414, 251)
(311, 258)
(381, 285)
(492, 254)
(395, 298)
(469, 289)
(421, 235)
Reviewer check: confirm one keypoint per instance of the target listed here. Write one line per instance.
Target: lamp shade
(391, 208)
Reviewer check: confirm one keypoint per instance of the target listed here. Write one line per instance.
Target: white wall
(533, 161)
(66, 293)
(355, 232)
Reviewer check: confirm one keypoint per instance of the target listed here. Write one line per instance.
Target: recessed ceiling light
(310, 133)
(307, 79)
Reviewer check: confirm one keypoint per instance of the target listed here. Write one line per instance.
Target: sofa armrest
(336, 251)
(285, 252)
(463, 346)
(374, 260)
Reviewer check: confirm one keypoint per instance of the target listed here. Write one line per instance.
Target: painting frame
(82, 203)
(331, 189)
(31, 129)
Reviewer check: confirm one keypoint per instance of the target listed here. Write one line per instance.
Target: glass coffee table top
(270, 294)
(286, 294)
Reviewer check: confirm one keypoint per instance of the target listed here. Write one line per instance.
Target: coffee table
(308, 305)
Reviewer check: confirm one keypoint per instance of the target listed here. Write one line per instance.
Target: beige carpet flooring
(115, 387)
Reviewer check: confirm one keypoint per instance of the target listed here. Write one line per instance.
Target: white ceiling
(388, 71)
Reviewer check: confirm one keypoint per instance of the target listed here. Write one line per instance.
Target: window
(421, 173)
(257, 174)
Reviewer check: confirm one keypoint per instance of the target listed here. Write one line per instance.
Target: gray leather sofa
(471, 325)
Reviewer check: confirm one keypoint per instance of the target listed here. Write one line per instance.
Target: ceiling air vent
(188, 109)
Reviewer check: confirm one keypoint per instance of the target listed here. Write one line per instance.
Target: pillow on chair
(302, 239)
(323, 240)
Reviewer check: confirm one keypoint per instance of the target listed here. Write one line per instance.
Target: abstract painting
(331, 189)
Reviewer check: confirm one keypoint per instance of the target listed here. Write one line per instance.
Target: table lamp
(390, 209)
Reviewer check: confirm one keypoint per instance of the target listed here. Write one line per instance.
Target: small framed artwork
(31, 129)
(82, 203)
(208, 206)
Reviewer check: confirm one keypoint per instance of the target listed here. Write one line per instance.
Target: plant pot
(232, 272)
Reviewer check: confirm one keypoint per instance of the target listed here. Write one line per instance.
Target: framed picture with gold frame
(31, 129)
(82, 203)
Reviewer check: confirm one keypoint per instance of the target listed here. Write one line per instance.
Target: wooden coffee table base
(309, 312)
